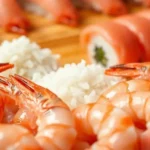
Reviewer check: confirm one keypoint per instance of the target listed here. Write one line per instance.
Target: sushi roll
(110, 43)
(140, 26)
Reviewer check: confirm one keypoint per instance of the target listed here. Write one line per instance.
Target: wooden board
(60, 39)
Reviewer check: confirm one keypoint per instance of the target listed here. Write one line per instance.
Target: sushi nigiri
(110, 43)
(140, 27)
(12, 18)
(62, 11)
(111, 7)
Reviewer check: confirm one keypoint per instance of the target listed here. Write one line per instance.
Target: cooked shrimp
(135, 103)
(12, 18)
(112, 126)
(15, 137)
(62, 11)
(56, 129)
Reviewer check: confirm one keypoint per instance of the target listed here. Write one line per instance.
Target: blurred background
(61, 38)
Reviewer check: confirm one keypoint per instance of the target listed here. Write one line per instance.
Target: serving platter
(60, 39)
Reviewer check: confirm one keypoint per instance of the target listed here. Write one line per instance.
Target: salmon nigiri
(62, 11)
(12, 18)
(111, 7)
(110, 43)
(140, 27)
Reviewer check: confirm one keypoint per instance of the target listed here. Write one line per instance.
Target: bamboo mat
(60, 39)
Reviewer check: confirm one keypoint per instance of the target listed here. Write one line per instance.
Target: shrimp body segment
(137, 105)
(133, 101)
(112, 126)
(16, 137)
(127, 86)
(56, 128)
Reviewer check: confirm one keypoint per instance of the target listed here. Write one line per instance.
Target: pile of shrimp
(34, 118)
(62, 11)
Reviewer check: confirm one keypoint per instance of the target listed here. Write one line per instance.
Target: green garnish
(100, 56)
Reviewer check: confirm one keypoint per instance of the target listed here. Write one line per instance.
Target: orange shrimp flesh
(56, 128)
(16, 137)
(112, 126)
(127, 86)
(137, 105)
(131, 70)
(27, 119)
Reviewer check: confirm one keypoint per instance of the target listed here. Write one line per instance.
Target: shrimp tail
(5, 66)
(131, 70)
(31, 90)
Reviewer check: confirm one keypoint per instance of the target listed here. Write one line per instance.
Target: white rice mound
(29, 59)
(77, 84)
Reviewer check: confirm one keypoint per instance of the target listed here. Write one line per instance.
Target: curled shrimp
(136, 101)
(56, 128)
(112, 126)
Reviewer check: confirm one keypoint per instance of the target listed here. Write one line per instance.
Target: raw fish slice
(141, 28)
